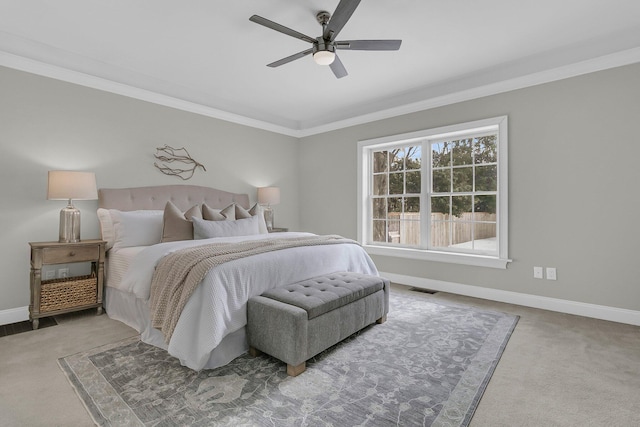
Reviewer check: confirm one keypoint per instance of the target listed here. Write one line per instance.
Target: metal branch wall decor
(168, 154)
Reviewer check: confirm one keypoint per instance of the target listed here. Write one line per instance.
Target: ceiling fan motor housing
(323, 44)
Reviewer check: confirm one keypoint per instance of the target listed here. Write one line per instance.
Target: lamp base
(268, 217)
(69, 225)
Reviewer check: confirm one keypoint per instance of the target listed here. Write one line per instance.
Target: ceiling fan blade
(290, 58)
(343, 12)
(369, 44)
(337, 68)
(281, 28)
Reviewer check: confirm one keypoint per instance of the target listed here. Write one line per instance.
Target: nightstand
(278, 230)
(64, 295)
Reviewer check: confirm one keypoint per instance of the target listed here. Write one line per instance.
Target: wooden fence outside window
(446, 230)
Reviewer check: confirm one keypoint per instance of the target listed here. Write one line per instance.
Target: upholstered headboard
(183, 196)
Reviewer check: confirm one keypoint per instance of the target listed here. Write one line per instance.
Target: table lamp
(71, 185)
(268, 196)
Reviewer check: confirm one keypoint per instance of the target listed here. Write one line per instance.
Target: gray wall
(574, 156)
(47, 124)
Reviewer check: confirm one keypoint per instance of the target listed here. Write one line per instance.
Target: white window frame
(365, 182)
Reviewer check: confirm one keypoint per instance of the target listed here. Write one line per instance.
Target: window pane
(486, 149)
(410, 232)
(440, 204)
(379, 231)
(394, 205)
(487, 178)
(440, 234)
(396, 183)
(412, 204)
(441, 155)
(463, 180)
(414, 158)
(379, 208)
(486, 204)
(461, 208)
(380, 185)
(461, 152)
(396, 159)
(413, 182)
(485, 237)
(379, 161)
(461, 235)
(393, 235)
(484, 230)
(442, 181)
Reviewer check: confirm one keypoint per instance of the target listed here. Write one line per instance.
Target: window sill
(453, 258)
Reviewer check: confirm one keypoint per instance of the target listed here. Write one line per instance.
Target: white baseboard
(14, 315)
(612, 314)
(603, 312)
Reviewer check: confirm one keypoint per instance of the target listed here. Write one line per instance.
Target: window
(438, 194)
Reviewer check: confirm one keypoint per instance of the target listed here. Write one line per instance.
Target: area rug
(428, 365)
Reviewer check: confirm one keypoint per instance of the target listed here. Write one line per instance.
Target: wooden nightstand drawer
(67, 254)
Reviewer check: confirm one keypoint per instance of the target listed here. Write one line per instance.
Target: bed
(210, 331)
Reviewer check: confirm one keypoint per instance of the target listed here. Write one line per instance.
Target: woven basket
(60, 294)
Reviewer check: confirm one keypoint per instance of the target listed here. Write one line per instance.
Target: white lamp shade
(72, 185)
(268, 195)
(324, 57)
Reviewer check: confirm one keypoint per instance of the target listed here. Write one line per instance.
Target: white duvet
(218, 306)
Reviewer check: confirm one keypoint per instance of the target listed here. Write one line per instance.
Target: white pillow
(136, 228)
(203, 229)
(106, 227)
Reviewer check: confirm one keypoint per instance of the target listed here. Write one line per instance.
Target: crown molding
(613, 60)
(70, 76)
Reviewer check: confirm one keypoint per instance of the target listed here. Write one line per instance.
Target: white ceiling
(206, 56)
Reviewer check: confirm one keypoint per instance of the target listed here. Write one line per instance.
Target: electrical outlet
(537, 272)
(551, 273)
(63, 272)
(49, 275)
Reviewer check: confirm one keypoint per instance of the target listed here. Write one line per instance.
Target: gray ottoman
(295, 322)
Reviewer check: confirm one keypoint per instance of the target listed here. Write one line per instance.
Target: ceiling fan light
(324, 57)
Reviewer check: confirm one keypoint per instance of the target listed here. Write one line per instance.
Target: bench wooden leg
(382, 319)
(254, 352)
(294, 371)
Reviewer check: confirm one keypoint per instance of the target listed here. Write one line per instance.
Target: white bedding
(118, 263)
(210, 331)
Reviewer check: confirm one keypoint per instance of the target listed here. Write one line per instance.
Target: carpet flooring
(427, 365)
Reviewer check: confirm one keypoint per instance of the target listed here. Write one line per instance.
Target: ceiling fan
(324, 47)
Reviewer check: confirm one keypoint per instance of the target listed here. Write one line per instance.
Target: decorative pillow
(203, 229)
(210, 214)
(135, 228)
(256, 210)
(177, 225)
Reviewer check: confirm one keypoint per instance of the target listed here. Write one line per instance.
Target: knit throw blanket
(179, 273)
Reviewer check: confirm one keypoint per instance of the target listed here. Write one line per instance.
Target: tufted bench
(295, 322)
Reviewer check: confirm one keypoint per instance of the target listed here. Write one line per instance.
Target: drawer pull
(72, 253)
